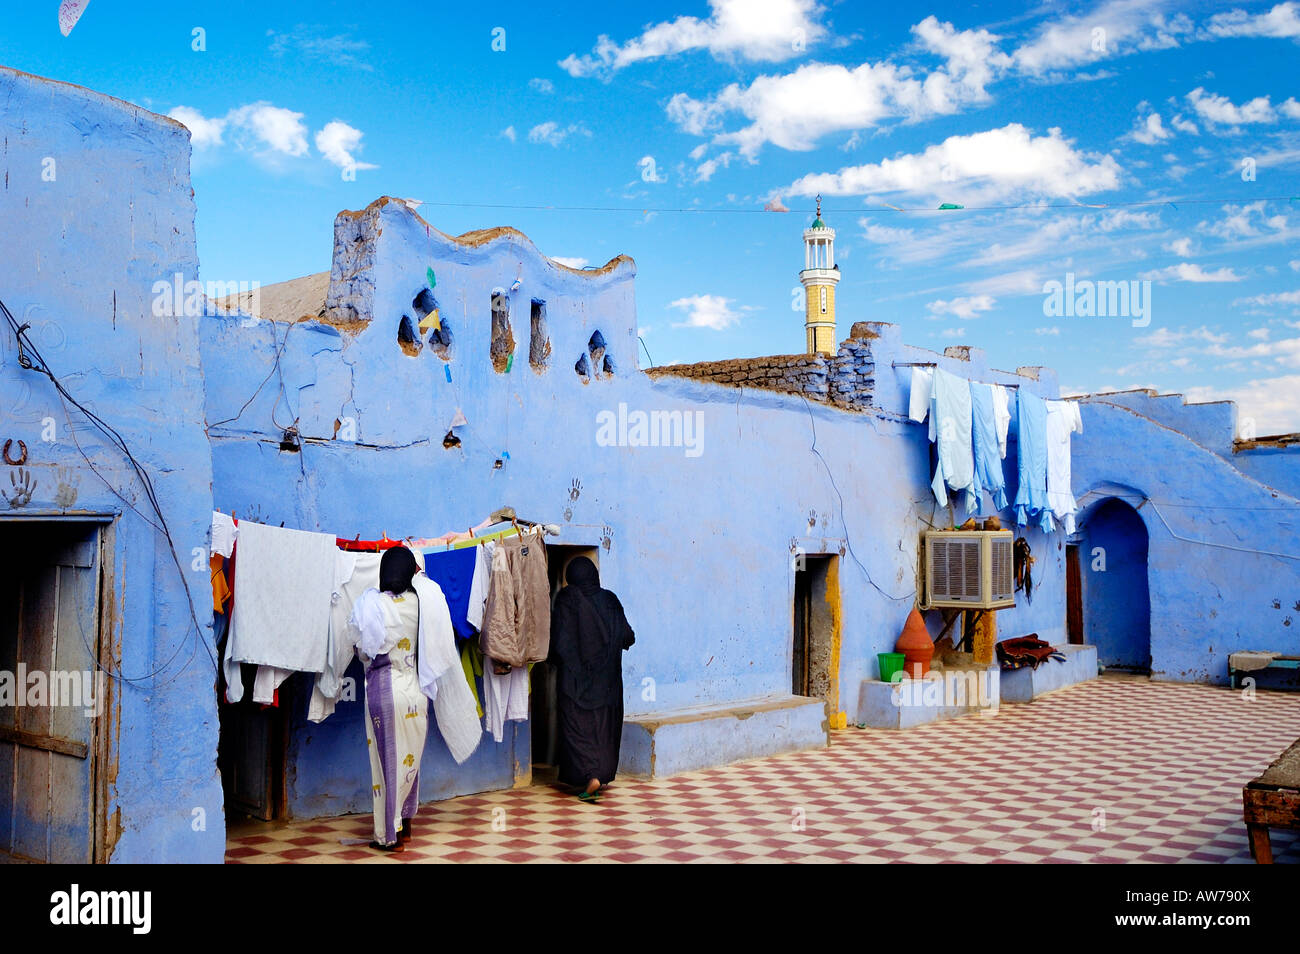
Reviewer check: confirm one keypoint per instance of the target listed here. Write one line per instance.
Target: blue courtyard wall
(97, 207)
(698, 546)
(1224, 549)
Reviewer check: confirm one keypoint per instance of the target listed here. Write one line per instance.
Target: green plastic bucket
(891, 664)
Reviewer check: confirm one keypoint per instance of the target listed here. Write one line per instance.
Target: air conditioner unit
(968, 569)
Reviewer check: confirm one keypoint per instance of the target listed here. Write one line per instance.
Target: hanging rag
(1031, 495)
(454, 572)
(918, 404)
(517, 616)
(354, 573)
(984, 444)
(950, 429)
(224, 533)
(282, 602)
(442, 677)
(1002, 416)
(1063, 419)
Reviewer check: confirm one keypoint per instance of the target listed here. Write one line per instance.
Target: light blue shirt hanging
(1031, 496)
(984, 444)
(950, 428)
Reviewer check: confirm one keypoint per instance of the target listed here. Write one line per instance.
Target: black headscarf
(397, 567)
(588, 635)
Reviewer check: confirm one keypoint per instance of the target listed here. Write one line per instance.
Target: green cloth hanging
(471, 661)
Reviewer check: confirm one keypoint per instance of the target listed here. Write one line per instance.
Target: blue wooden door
(49, 634)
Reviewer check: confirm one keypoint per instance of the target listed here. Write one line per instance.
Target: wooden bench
(1272, 800)
(1277, 662)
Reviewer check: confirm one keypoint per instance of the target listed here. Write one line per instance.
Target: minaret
(819, 277)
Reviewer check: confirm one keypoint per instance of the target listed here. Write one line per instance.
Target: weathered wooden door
(49, 644)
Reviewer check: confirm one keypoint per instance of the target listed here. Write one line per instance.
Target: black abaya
(588, 635)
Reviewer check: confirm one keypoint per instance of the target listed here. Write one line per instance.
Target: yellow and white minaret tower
(819, 277)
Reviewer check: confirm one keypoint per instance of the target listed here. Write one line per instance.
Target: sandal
(394, 847)
(589, 796)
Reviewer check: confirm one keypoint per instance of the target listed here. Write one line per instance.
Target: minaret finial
(819, 205)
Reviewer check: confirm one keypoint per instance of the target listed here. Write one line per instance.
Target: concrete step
(682, 740)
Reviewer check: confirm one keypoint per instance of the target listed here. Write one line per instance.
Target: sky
(1143, 142)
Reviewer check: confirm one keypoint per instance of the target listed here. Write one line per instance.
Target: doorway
(56, 700)
(1115, 602)
(543, 715)
(814, 665)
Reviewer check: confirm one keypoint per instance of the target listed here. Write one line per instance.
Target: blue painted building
(730, 504)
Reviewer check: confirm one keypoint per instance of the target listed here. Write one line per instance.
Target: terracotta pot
(915, 644)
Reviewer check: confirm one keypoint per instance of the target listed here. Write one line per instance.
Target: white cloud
(794, 110)
(553, 134)
(1150, 131)
(279, 128)
(1047, 331)
(1181, 247)
(1281, 22)
(883, 234)
(204, 132)
(762, 30)
(543, 86)
(706, 311)
(982, 166)
(953, 333)
(338, 141)
(1184, 125)
(967, 308)
(258, 126)
(1219, 110)
(1115, 28)
(705, 170)
(509, 133)
(312, 44)
(1295, 264)
(1191, 272)
(1273, 403)
(1164, 338)
(1290, 108)
(1276, 298)
(1259, 334)
(571, 262)
(1245, 221)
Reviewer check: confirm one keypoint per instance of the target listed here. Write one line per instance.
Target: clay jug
(915, 645)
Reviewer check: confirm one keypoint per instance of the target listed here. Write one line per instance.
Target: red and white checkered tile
(1113, 770)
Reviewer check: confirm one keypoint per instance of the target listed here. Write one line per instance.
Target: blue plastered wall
(97, 207)
(1223, 547)
(696, 542)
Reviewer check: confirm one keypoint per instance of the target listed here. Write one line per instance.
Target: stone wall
(844, 380)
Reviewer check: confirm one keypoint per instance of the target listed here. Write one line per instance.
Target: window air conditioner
(968, 569)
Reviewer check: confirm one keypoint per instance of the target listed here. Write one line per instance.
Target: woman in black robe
(588, 635)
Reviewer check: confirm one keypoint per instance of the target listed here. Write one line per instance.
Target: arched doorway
(1115, 600)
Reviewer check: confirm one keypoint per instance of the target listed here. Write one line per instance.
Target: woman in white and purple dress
(397, 719)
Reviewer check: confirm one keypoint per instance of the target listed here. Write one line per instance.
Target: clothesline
(935, 364)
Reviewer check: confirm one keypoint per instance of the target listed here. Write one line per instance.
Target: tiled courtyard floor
(1114, 770)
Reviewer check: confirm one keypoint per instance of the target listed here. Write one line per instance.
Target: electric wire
(30, 358)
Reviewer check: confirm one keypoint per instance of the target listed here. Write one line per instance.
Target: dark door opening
(1073, 595)
(542, 710)
(814, 657)
(51, 790)
(1116, 600)
(252, 750)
